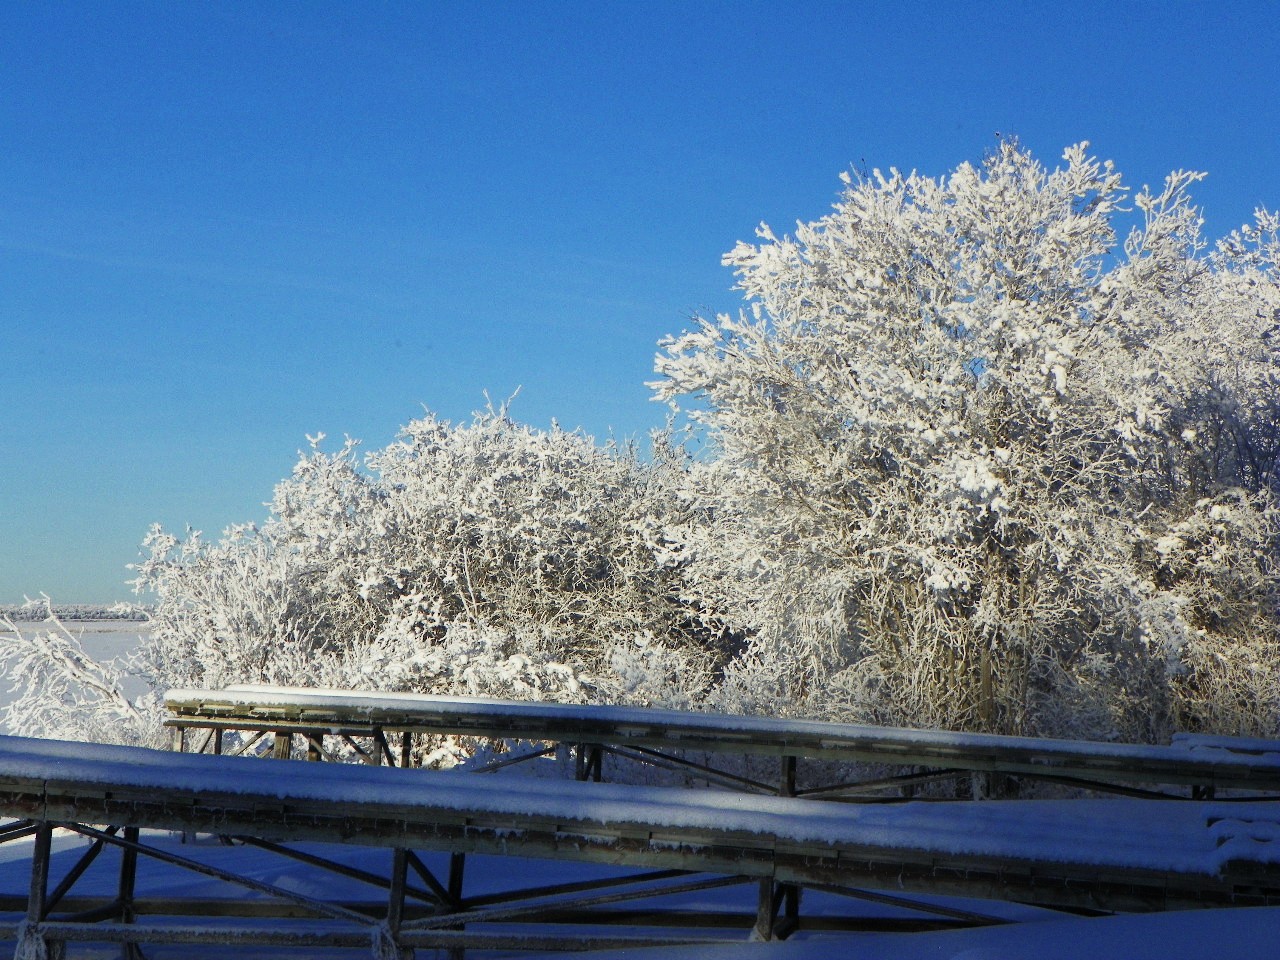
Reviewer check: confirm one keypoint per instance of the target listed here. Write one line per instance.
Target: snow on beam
(248, 707)
(1124, 853)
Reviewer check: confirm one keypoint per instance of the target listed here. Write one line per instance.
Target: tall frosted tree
(979, 458)
(981, 465)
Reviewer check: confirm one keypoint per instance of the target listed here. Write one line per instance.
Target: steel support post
(282, 746)
(790, 911)
(787, 895)
(406, 749)
(457, 866)
(395, 903)
(766, 910)
(589, 763)
(128, 880)
(787, 779)
(595, 762)
(31, 941)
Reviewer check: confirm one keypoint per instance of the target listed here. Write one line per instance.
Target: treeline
(38, 611)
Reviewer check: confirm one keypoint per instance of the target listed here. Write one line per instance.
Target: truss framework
(384, 730)
(410, 907)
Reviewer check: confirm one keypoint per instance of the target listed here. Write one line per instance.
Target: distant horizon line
(38, 610)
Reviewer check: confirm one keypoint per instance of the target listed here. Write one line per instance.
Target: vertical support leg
(283, 745)
(786, 896)
(31, 942)
(179, 742)
(766, 910)
(406, 749)
(588, 762)
(457, 865)
(395, 901)
(387, 938)
(128, 880)
(791, 910)
(217, 741)
(382, 743)
(314, 739)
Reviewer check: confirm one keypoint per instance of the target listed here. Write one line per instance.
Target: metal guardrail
(674, 739)
(1083, 855)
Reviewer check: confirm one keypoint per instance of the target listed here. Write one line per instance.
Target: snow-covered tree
(959, 431)
(487, 558)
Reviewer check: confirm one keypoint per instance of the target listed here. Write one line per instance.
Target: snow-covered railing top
(1159, 852)
(262, 707)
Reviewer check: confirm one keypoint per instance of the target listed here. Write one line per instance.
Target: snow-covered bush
(62, 691)
(960, 435)
(487, 558)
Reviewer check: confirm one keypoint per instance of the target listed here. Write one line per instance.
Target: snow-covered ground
(1246, 934)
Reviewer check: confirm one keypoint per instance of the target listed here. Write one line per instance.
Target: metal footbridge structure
(382, 728)
(377, 853)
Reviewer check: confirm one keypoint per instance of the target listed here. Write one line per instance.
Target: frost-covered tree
(982, 466)
(487, 558)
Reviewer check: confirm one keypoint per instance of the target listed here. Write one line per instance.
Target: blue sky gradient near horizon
(226, 226)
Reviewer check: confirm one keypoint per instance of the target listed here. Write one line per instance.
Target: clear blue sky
(226, 225)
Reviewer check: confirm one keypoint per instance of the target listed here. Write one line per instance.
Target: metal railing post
(128, 880)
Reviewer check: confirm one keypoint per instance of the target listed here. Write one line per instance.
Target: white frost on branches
(63, 691)
(482, 559)
(978, 438)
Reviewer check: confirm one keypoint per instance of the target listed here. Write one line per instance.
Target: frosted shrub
(974, 461)
(1218, 565)
(485, 559)
(63, 691)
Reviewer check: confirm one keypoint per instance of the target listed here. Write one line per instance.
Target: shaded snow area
(1241, 934)
(1245, 934)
